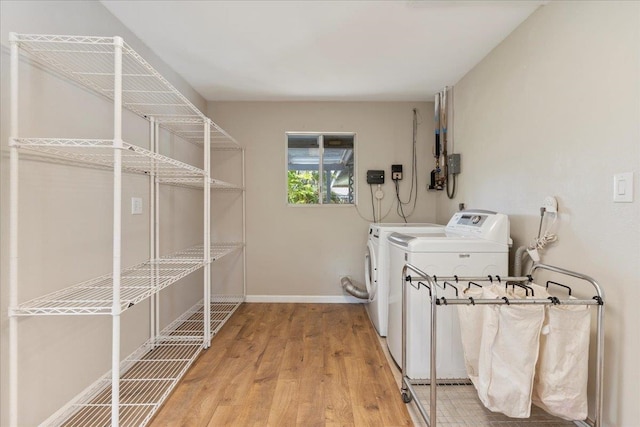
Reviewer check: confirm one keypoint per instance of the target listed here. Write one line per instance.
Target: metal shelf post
(244, 228)
(156, 226)
(152, 229)
(13, 236)
(117, 230)
(207, 236)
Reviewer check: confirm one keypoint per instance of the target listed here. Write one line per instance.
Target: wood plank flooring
(289, 365)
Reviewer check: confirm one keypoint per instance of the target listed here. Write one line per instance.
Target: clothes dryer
(474, 243)
(376, 268)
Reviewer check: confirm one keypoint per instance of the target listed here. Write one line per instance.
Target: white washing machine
(376, 268)
(474, 243)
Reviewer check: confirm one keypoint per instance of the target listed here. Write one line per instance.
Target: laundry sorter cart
(413, 389)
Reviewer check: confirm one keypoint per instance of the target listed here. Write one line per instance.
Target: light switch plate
(623, 187)
(136, 205)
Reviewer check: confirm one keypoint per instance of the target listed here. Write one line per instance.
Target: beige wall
(555, 110)
(302, 251)
(66, 216)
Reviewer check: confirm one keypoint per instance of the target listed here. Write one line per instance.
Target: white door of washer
(371, 270)
(377, 305)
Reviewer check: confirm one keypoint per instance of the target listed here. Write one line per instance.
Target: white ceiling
(321, 50)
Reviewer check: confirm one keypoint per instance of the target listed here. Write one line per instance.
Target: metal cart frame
(431, 283)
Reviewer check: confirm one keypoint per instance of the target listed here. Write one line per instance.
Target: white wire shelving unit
(137, 385)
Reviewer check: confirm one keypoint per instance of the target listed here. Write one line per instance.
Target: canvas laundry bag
(508, 354)
(471, 320)
(560, 385)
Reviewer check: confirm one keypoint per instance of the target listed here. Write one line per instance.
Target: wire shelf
(197, 183)
(191, 323)
(194, 253)
(147, 378)
(222, 307)
(218, 250)
(225, 186)
(149, 375)
(95, 296)
(100, 152)
(89, 61)
(192, 130)
(138, 283)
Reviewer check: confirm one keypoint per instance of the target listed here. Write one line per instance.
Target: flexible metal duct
(353, 289)
(521, 252)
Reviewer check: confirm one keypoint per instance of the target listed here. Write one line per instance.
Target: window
(320, 168)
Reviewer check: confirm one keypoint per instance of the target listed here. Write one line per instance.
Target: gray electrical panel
(453, 162)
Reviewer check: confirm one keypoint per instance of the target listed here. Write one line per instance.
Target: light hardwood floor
(289, 365)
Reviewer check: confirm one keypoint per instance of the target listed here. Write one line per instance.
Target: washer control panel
(473, 220)
(484, 224)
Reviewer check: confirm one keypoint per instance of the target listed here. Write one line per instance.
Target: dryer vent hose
(518, 261)
(353, 289)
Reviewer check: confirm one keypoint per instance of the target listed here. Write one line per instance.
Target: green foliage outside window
(303, 187)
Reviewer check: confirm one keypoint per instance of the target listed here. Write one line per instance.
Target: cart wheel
(406, 398)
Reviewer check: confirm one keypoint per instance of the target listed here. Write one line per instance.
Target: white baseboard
(317, 299)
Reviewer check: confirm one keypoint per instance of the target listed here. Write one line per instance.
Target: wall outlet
(623, 187)
(396, 172)
(550, 204)
(136, 206)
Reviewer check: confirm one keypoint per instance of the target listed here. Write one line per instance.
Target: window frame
(321, 138)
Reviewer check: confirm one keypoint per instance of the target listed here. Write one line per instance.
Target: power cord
(451, 177)
(543, 239)
(373, 205)
(399, 208)
(413, 191)
(414, 176)
(380, 218)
